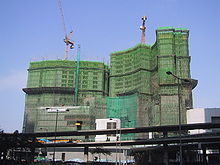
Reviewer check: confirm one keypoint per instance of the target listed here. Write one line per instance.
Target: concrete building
(203, 115)
(135, 88)
(102, 124)
(53, 84)
(138, 76)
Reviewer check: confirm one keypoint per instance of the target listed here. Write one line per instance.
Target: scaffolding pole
(76, 91)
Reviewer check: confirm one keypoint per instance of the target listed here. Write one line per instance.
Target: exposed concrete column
(165, 157)
(149, 156)
(86, 153)
(198, 152)
(219, 155)
(32, 154)
(187, 159)
(165, 148)
(86, 150)
(204, 155)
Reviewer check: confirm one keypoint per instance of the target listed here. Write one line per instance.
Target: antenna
(143, 28)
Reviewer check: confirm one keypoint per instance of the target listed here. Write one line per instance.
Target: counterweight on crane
(69, 44)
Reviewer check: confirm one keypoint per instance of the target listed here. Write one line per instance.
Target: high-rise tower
(136, 89)
(52, 84)
(141, 70)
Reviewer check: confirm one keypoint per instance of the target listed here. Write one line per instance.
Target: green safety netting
(124, 108)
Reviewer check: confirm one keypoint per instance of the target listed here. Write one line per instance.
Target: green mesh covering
(140, 69)
(66, 120)
(140, 45)
(124, 108)
(129, 67)
(52, 83)
(143, 68)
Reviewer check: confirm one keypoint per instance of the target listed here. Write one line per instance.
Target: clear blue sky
(32, 30)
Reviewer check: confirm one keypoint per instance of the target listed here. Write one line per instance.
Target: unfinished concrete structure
(137, 89)
(140, 74)
(53, 83)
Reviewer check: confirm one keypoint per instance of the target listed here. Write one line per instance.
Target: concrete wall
(119, 153)
(101, 124)
(211, 112)
(201, 115)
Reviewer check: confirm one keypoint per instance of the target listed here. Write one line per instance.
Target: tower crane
(69, 43)
(143, 28)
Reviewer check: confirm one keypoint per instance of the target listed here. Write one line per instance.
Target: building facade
(112, 123)
(53, 84)
(135, 88)
(142, 70)
(203, 115)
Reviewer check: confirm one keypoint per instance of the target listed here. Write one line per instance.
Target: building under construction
(52, 84)
(141, 91)
(135, 87)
